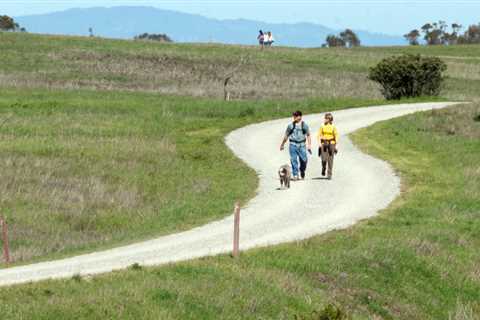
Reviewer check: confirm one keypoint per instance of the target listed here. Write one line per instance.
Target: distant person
(261, 38)
(298, 135)
(269, 39)
(327, 140)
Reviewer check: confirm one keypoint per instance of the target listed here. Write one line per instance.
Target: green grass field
(83, 169)
(417, 260)
(106, 142)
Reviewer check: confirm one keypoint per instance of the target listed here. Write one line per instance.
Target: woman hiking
(261, 38)
(327, 140)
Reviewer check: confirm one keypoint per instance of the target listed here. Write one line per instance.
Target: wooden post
(6, 249)
(236, 231)
(226, 93)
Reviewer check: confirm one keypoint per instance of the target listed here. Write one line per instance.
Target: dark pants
(327, 153)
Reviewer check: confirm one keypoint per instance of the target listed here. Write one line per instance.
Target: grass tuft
(135, 267)
(77, 278)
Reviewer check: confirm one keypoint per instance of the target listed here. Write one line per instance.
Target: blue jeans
(298, 152)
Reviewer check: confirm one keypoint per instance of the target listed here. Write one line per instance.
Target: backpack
(304, 130)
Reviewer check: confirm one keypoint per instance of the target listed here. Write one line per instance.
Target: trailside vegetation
(409, 76)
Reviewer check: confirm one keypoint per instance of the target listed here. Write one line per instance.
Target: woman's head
(328, 118)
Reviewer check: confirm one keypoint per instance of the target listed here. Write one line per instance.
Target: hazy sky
(393, 17)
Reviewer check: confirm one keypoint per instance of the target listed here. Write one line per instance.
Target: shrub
(135, 267)
(329, 312)
(332, 312)
(154, 37)
(77, 277)
(248, 112)
(409, 76)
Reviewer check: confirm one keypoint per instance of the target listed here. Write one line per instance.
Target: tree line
(8, 24)
(440, 33)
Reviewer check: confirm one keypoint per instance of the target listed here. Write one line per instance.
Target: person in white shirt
(268, 39)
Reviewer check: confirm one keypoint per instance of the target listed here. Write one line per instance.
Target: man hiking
(298, 135)
(327, 140)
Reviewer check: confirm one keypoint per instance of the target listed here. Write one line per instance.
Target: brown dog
(285, 175)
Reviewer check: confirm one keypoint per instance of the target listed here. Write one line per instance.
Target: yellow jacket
(328, 132)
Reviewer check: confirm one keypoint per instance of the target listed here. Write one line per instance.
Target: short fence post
(6, 249)
(236, 231)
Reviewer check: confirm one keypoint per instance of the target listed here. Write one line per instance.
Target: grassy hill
(94, 153)
(71, 63)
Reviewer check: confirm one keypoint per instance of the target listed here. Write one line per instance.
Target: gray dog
(285, 175)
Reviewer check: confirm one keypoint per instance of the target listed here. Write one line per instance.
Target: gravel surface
(361, 186)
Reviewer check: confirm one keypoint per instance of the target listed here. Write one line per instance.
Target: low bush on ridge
(409, 76)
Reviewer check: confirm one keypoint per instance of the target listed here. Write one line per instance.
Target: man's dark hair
(297, 113)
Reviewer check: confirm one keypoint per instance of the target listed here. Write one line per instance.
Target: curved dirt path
(362, 186)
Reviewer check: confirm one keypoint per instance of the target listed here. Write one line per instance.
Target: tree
(154, 37)
(426, 31)
(472, 35)
(347, 38)
(452, 38)
(435, 33)
(442, 25)
(350, 38)
(334, 41)
(412, 37)
(444, 36)
(456, 28)
(426, 28)
(8, 24)
(435, 37)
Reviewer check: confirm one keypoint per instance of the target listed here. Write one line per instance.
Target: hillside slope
(281, 74)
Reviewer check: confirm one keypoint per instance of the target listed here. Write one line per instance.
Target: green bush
(332, 312)
(409, 76)
(329, 312)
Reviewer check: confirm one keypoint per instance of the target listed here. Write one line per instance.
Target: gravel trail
(361, 186)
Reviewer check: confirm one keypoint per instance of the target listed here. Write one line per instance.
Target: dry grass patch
(465, 312)
(252, 84)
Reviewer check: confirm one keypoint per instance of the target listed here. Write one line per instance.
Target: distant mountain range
(127, 22)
